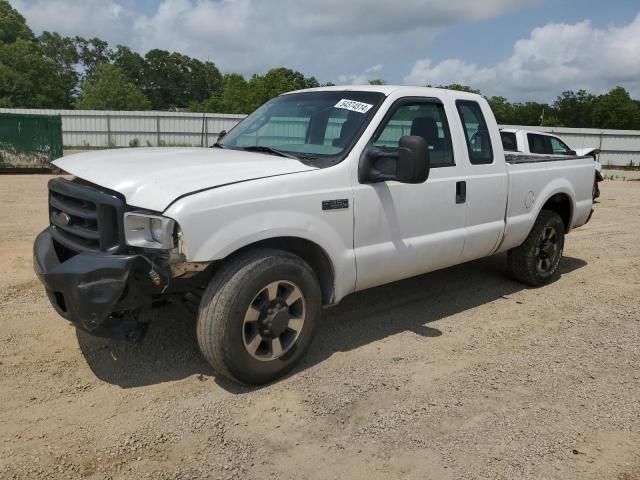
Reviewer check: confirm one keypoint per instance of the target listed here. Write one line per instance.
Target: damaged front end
(91, 274)
(101, 294)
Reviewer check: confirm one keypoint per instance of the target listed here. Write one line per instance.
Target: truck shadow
(169, 351)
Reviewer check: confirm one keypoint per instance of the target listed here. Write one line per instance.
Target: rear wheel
(536, 261)
(258, 316)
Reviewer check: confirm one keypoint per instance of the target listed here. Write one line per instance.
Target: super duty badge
(336, 204)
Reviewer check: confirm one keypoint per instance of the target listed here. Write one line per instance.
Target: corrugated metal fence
(100, 129)
(104, 128)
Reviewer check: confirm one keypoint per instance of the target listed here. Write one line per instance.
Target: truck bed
(534, 179)
(515, 158)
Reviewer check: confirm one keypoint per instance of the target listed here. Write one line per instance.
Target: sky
(520, 49)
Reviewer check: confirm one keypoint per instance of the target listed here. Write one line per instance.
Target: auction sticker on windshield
(353, 106)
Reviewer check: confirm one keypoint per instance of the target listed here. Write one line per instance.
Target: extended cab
(316, 195)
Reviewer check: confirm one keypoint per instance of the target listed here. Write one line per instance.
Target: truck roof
(389, 89)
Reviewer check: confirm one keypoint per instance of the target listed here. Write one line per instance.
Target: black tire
(234, 290)
(525, 261)
(596, 189)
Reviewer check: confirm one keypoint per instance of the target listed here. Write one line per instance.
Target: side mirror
(410, 165)
(572, 153)
(222, 134)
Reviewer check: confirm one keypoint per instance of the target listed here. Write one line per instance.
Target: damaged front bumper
(97, 292)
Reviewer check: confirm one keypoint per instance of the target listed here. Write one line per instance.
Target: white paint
(152, 178)
(392, 230)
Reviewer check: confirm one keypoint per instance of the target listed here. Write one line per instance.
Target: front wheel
(536, 261)
(258, 316)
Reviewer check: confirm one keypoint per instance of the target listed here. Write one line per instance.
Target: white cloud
(554, 58)
(363, 78)
(324, 39)
(425, 73)
(106, 19)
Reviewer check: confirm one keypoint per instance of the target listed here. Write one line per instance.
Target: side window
(558, 147)
(424, 119)
(476, 131)
(538, 144)
(509, 142)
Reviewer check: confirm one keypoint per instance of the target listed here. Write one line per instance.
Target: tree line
(612, 110)
(54, 71)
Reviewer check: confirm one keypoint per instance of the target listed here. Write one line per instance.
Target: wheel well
(560, 203)
(311, 253)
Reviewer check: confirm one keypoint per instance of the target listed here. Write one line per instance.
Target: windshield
(315, 127)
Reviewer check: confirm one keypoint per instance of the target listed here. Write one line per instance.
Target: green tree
(551, 120)
(13, 26)
(161, 75)
(575, 109)
(616, 110)
(460, 88)
(93, 53)
(529, 113)
(27, 79)
(109, 89)
(276, 82)
(377, 81)
(232, 98)
(172, 80)
(503, 110)
(131, 63)
(63, 54)
(203, 80)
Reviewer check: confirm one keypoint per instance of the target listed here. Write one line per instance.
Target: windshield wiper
(272, 151)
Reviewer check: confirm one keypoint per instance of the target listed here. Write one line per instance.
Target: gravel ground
(612, 174)
(459, 374)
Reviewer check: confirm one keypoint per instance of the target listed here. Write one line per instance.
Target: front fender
(218, 223)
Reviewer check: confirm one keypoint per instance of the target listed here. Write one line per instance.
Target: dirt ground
(458, 374)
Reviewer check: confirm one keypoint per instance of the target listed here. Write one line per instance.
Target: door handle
(461, 192)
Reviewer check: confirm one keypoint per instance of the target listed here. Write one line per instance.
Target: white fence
(100, 129)
(103, 128)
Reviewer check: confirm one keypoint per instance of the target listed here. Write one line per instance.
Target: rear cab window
(509, 142)
(476, 132)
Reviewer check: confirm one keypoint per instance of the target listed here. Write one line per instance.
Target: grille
(85, 218)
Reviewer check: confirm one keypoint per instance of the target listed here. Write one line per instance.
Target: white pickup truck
(316, 195)
(535, 143)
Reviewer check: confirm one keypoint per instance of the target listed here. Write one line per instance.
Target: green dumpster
(29, 141)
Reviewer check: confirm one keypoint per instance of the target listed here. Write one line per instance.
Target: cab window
(558, 147)
(424, 119)
(538, 144)
(509, 143)
(476, 132)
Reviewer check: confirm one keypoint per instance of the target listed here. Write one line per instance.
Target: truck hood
(152, 178)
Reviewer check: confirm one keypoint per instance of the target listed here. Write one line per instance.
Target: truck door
(485, 176)
(402, 230)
